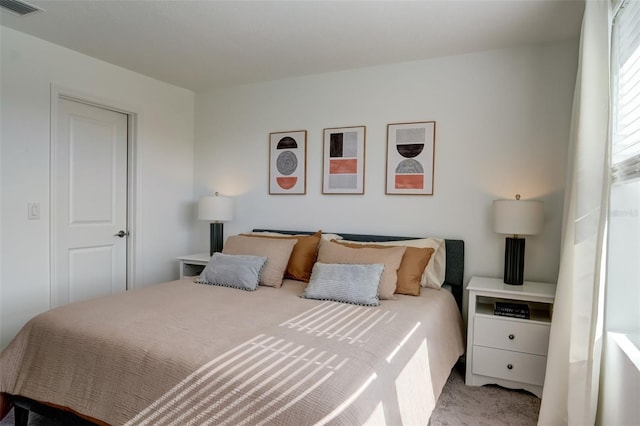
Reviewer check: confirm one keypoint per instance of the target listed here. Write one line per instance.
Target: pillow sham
(434, 273)
(327, 237)
(276, 250)
(235, 271)
(331, 237)
(303, 255)
(412, 267)
(347, 283)
(331, 252)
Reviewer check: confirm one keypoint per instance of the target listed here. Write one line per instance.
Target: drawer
(525, 368)
(510, 334)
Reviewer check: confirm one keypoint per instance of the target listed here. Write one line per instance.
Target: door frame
(133, 181)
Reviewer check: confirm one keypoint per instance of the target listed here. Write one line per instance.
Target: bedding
(277, 251)
(303, 255)
(237, 271)
(440, 272)
(391, 257)
(434, 273)
(269, 233)
(186, 353)
(357, 284)
(412, 267)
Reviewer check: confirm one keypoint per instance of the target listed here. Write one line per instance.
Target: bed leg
(21, 416)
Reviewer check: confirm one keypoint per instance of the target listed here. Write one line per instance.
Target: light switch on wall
(33, 211)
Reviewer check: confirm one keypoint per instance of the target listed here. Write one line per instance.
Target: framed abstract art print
(343, 160)
(288, 162)
(410, 158)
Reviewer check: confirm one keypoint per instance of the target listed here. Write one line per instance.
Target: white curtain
(571, 383)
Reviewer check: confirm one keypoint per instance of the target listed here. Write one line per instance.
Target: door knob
(121, 234)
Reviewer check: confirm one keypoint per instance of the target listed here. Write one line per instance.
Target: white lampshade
(216, 208)
(518, 217)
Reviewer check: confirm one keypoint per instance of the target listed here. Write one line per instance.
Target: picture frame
(410, 158)
(344, 160)
(288, 163)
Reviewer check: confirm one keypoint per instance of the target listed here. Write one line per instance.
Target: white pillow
(268, 234)
(330, 237)
(434, 273)
(325, 236)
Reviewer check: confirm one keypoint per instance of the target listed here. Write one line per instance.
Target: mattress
(184, 353)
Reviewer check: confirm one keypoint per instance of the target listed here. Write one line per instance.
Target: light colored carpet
(489, 405)
(459, 405)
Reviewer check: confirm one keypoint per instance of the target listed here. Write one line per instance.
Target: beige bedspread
(183, 353)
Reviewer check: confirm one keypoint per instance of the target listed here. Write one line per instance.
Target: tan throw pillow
(434, 273)
(391, 257)
(303, 256)
(276, 250)
(412, 267)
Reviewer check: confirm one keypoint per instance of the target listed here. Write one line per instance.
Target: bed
(182, 353)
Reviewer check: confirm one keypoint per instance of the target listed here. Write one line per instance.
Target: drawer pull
(512, 336)
(510, 366)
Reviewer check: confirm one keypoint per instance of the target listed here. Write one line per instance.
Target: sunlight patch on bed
(246, 404)
(287, 393)
(181, 388)
(261, 379)
(377, 417)
(254, 382)
(218, 388)
(403, 342)
(338, 321)
(348, 401)
(413, 385)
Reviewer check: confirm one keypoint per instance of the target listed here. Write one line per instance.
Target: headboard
(454, 275)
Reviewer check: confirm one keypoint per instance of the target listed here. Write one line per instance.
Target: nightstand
(508, 351)
(193, 264)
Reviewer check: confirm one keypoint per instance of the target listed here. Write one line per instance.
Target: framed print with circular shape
(410, 158)
(288, 163)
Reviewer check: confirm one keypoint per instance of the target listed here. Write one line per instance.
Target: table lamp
(216, 210)
(517, 218)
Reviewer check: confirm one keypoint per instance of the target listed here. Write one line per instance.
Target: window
(623, 273)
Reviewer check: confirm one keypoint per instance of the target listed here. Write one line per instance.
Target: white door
(89, 258)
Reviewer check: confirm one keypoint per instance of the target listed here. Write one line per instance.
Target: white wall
(502, 125)
(164, 159)
(502, 128)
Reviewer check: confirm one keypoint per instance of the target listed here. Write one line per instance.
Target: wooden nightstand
(193, 264)
(508, 351)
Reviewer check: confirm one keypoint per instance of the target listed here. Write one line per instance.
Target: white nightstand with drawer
(505, 350)
(193, 264)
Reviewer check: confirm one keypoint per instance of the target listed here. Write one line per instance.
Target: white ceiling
(205, 44)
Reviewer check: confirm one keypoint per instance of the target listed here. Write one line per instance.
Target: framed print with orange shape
(343, 165)
(288, 162)
(410, 158)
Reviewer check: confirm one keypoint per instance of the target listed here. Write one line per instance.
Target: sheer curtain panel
(575, 345)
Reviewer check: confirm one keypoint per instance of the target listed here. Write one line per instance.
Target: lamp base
(514, 261)
(216, 238)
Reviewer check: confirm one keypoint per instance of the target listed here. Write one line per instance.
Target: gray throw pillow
(237, 271)
(348, 283)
